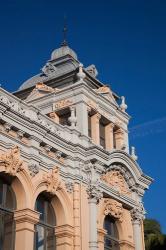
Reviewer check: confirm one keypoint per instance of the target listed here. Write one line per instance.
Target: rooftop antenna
(64, 43)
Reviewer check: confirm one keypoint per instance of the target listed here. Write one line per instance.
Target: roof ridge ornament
(123, 105)
(133, 154)
(81, 75)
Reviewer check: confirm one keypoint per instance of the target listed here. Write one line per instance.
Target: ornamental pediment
(107, 93)
(40, 90)
(116, 180)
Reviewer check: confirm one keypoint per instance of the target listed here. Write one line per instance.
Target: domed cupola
(64, 50)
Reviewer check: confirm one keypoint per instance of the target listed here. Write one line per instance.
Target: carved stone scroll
(113, 208)
(11, 161)
(52, 180)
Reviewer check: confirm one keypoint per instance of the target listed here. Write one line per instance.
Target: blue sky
(126, 40)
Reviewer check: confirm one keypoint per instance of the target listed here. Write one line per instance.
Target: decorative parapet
(11, 161)
(138, 213)
(62, 104)
(115, 179)
(33, 114)
(113, 208)
(52, 181)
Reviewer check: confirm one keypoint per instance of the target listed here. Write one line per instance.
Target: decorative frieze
(113, 208)
(62, 104)
(52, 180)
(11, 161)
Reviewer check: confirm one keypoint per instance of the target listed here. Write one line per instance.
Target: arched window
(44, 231)
(7, 206)
(111, 241)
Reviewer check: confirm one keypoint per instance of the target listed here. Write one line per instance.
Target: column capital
(138, 214)
(94, 192)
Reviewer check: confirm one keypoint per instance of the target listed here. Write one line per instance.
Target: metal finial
(64, 43)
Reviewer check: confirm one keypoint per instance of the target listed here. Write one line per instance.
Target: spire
(64, 43)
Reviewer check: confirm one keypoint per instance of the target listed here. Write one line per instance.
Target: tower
(67, 178)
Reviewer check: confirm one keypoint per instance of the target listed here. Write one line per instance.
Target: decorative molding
(69, 186)
(33, 169)
(94, 192)
(62, 104)
(113, 208)
(138, 213)
(103, 89)
(52, 180)
(48, 69)
(11, 161)
(92, 105)
(115, 179)
(42, 86)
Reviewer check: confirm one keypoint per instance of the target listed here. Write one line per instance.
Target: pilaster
(82, 118)
(109, 137)
(95, 123)
(25, 221)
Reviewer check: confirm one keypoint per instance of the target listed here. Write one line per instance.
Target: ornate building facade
(67, 178)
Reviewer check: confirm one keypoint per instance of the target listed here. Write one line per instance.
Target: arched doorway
(111, 240)
(7, 207)
(45, 229)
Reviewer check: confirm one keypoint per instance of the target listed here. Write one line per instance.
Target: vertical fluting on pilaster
(76, 208)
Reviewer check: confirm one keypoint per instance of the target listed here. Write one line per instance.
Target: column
(82, 118)
(95, 129)
(119, 138)
(137, 215)
(95, 195)
(25, 221)
(137, 235)
(109, 136)
(54, 117)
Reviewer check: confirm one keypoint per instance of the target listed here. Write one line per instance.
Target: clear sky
(125, 39)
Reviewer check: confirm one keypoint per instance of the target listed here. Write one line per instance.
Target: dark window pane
(6, 231)
(39, 238)
(50, 239)
(40, 206)
(9, 203)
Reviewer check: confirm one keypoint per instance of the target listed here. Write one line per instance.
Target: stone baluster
(73, 118)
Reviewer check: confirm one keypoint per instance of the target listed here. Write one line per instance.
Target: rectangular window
(89, 126)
